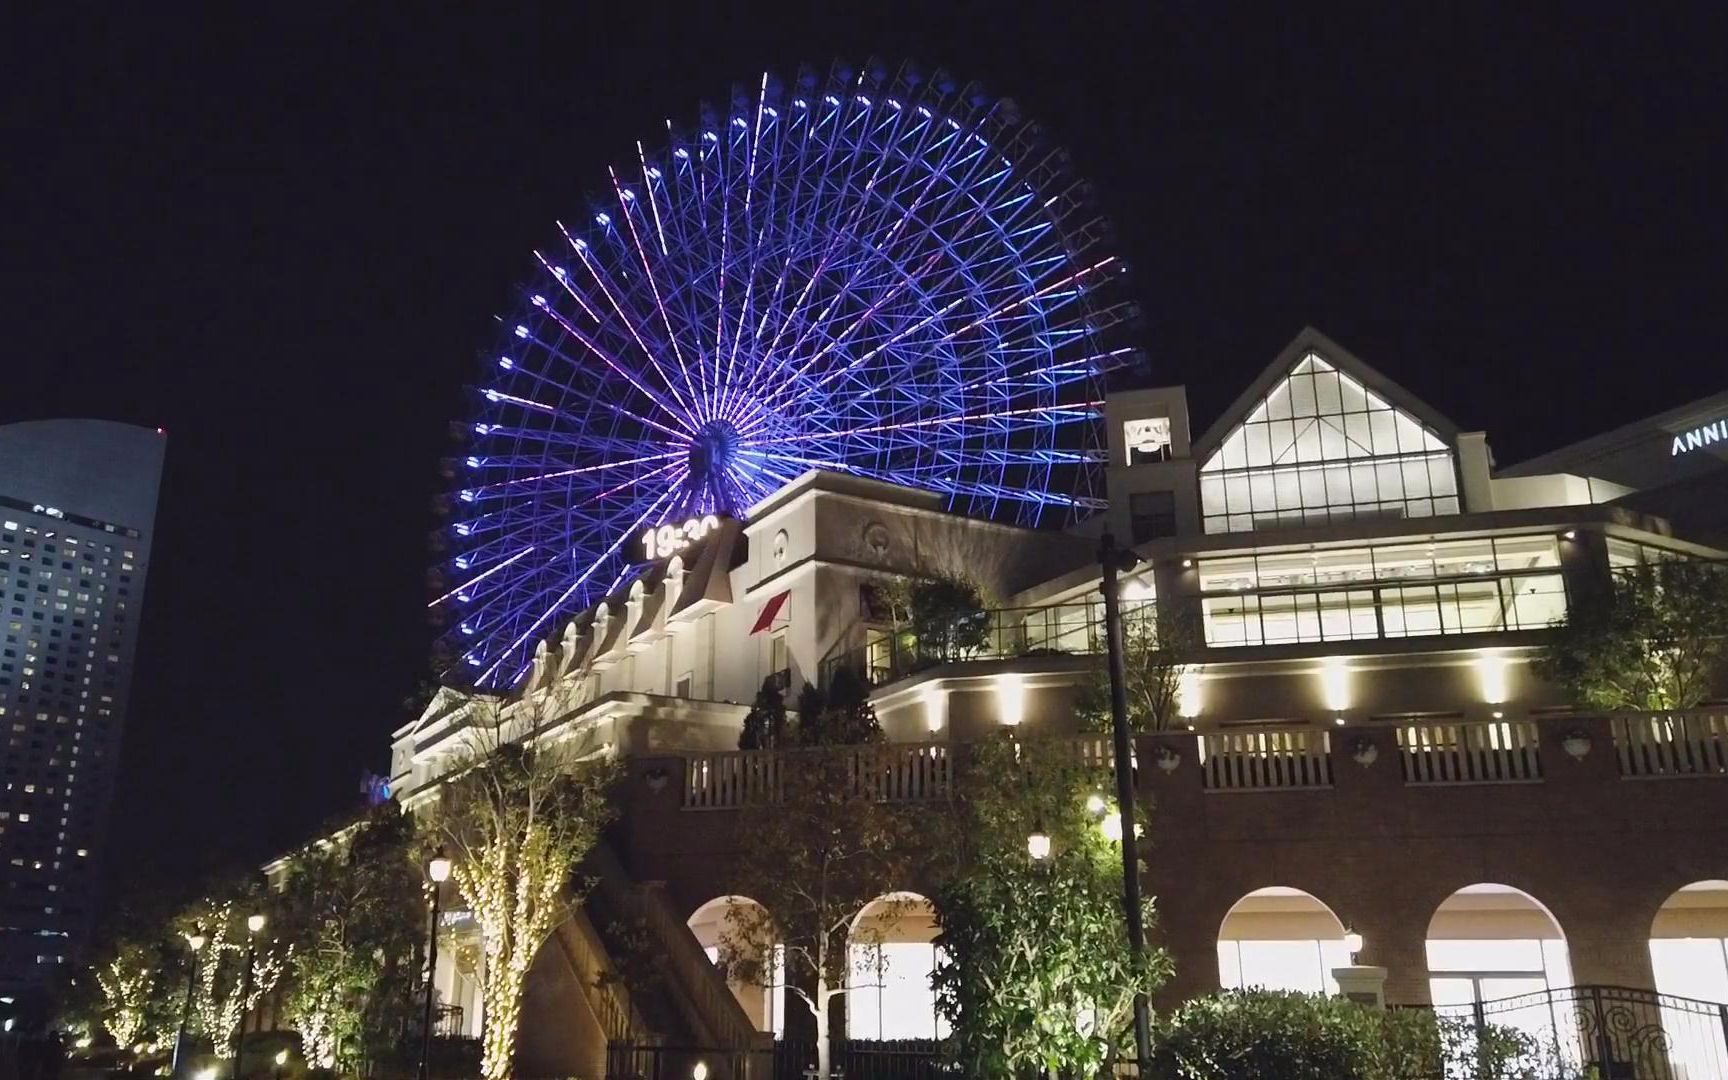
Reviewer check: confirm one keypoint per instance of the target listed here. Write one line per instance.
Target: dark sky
(284, 240)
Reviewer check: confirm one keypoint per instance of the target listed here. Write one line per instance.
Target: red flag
(770, 611)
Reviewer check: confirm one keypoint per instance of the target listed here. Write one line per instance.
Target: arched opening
(1499, 945)
(891, 956)
(1689, 956)
(713, 924)
(1281, 938)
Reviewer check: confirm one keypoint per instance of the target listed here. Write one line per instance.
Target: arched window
(1689, 955)
(891, 958)
(764, 1005)
(1280, 938)
(1496, 944)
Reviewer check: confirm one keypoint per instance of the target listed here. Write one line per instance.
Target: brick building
(1367, 772)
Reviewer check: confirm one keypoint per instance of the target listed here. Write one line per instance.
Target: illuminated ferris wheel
(871, 273)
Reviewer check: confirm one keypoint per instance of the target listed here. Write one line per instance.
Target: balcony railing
(1672, 744)
(1071, 629)
(1266, 760)
(1494, 752)
(893, 772)
(1431, 753)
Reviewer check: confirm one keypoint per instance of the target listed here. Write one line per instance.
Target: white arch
(1488, 942)
(1689, 957)
(1281, 938)
(764, 1005)
(891, 956)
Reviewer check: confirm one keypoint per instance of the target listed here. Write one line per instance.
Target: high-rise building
(77, 506)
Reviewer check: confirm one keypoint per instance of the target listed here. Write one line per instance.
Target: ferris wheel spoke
(624, 209)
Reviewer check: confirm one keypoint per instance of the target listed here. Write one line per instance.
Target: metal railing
(887, 772)
(1069, 629)
(1266, 760)
(1488, 752)
(1672, 744)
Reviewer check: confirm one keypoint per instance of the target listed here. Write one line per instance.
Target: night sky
(285, 242)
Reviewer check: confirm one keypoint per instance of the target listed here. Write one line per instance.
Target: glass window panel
(1537, 600)
(1363, 484)
(1212, 494)
(1410, 612)
(1502, 955)
(1228, 575)
(1331, 442)
(1278, 619)
(1361, 440)
(1452, 992)
(1233, 454)
(1442, 478)
(1260, 491)
(1284, 569)
(1337, 479)
(1364, 623)
(1282, 434)
(1529, 552)
(1278, 403)
(1217, 524)
(1308, 440)
(1390, 479)
(1455, 558)
(1297, 966)
(1419, 508)
(1479, 606)
(1259, 445)
(1313, 486)
(1384, 427)
(1354, 395)
(1231, 620)
(1335, 622)
(1326, 396)
(1241, 523)
(1412, 439)
(1287, 492)
(1343, 564)
(1415, 479)
(1236, 494)
(1403, 561)
(1302, 395)
(1308, 617)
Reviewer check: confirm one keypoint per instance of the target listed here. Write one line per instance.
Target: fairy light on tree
(514, 823)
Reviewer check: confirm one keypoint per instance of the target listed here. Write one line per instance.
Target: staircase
(589, 992)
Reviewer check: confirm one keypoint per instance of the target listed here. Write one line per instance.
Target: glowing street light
(438, 869)
(1038, 844)
(195, 942)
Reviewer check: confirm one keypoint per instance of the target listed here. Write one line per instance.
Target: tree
(765, 723)
(515, 822)
(946, 615)
(355, 913)
(813, 859)
(1156, 647)
(1033, 970)
(1655, 640)
(224, 994)
(841, 715)
(137, 1008)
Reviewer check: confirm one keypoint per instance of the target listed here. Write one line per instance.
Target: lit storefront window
(1389, 591)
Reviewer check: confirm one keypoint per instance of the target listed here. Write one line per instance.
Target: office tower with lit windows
(77, 507)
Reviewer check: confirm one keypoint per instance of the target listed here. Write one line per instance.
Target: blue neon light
(882, 298)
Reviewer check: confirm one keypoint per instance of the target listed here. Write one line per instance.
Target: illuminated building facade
(1367, 771)
(77, 507)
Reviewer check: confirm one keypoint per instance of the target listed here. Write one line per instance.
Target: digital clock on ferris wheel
(672, 538)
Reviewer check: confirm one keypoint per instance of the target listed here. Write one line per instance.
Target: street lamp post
(254, 923)
(439, 871)
(194, 941)
(1113, 561)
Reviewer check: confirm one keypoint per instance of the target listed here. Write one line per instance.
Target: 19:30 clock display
(669, 539)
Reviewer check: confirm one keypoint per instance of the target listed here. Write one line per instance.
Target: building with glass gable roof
(1369, 786)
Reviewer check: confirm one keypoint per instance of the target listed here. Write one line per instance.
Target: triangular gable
(1322, 437)
(1312, 342)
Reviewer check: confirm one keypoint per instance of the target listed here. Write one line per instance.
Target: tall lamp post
(439, 871)
(1114, 561)
(254, 923)
(194, 941)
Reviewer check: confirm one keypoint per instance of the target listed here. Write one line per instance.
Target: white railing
(1651, 745)
(893, 772)
(1494, 752)
(1266, 760)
